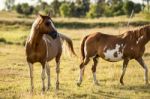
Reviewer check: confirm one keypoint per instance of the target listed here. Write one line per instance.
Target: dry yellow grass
(15, 81)
(14, 71)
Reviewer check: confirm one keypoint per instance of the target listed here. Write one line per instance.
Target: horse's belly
(113, 55)
(112, 59)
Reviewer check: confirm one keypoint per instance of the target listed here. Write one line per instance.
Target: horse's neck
(142, 40)
(35, 38)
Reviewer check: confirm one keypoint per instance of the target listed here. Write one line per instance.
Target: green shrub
(108, 11)
(128, 7)
(24, 9)
(96, 10)
(65, 10)
(137, 8)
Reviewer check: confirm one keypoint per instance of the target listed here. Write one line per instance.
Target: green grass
(15, 81)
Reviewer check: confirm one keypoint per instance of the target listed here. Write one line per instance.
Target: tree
(148, 8)
(65, 10)
(82, 7)
(24, 9)
(55, 6)
(128, 7)
(96, 10)
(137, 7)
(9, 4)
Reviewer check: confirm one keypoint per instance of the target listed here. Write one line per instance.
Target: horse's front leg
(141, 62)
(48, 75)
(82, 67)
(57, 71)
(94, 69)
(43, 75)
(125, 63)
(31, 75)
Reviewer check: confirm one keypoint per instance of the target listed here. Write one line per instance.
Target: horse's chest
(114, 54)
(38, 54)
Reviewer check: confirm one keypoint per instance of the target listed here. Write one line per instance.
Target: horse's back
(98, 43)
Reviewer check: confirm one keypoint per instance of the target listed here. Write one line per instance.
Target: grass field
(14, 71)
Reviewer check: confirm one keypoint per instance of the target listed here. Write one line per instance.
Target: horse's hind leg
(125, 63)
(43, 76)
(57, 70)
(82, 67)
(141, 62)
(48, 75)
(31, 75)
(94, 69)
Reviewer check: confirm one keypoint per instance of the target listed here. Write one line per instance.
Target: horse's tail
(69, 43)
(82, 47)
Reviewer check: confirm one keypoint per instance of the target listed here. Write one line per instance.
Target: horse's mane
(138, 32)
(33, 28)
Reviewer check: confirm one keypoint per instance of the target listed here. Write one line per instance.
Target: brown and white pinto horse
(43, 45)
(127, 46)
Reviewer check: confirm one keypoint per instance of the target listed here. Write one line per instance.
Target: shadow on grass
(136, 88)
(94, 95)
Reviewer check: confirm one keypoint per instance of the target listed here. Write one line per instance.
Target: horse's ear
(41, 16)
(49, 14)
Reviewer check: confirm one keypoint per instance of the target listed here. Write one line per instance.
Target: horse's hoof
(78, 84)
(43, 89)
(48, 89)
(32, 90)
(96, 83)
(57, 87)
(122, 83)
(147, 83)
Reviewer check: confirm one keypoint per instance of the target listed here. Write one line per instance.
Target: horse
(44, 44)
(113, 48)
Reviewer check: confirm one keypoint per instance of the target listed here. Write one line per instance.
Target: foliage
(146, 13)
(82, 8)
(65, 10)
(96, 10)
(24, 9)
(128, 7)
(114, 9)
(137, 7)
(9, 4)
(55, 7)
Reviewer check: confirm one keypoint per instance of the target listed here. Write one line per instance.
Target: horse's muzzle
(53, 34)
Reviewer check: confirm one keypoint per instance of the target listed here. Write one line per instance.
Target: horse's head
(44, 25)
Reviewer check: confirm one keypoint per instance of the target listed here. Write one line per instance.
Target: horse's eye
(47, 23)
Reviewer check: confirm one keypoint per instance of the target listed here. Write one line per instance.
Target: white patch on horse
(139, 39)
(94, 77)
(32, 29)
(85, 49)
(121, 45)
(52, 25)
(109, 53)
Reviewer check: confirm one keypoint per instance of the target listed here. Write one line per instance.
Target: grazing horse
(127, 46)
(44, 44)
